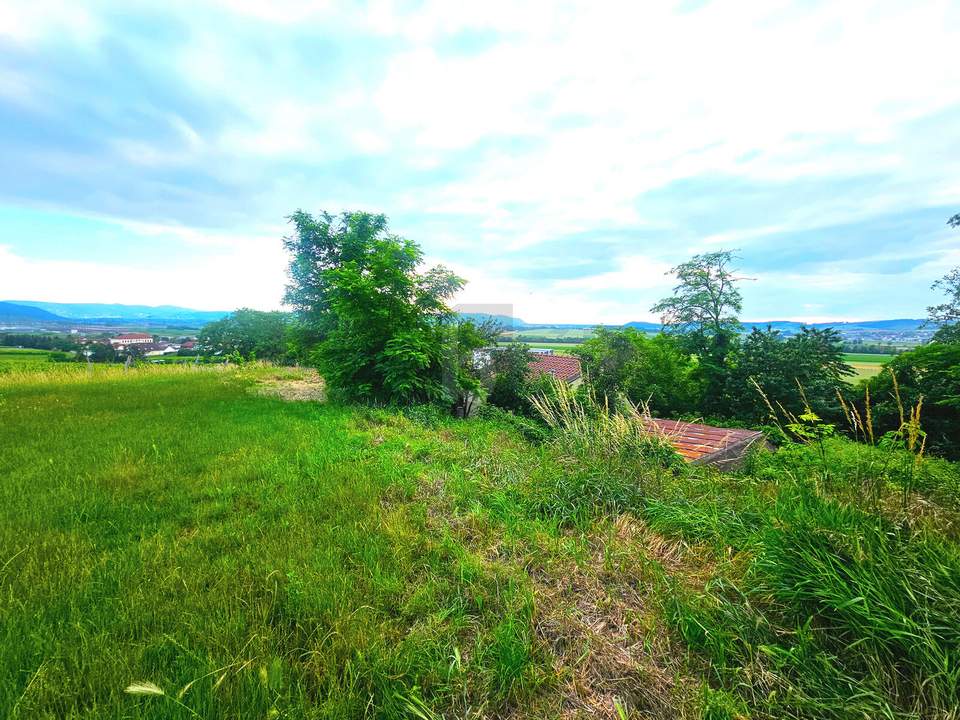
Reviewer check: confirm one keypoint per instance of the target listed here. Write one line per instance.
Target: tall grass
(247, 556)
(817, 607)
(171, 530)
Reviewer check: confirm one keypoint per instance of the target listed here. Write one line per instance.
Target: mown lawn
(254, 557)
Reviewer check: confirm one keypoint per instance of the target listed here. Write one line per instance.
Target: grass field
(22, 358)
(256, 557)
(557, 334)
(866, 365)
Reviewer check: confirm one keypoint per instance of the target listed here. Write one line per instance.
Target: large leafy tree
(704, 310)
(250, 333)
(377, 325)
(804, 370)
(947, 314)
(655, 371)
(706, 299)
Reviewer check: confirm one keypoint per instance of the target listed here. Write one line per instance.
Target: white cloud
(28, 22)
(556, 120)
(221, 281)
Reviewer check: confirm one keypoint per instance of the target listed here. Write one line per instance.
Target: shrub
(930, 372)
(653, 371)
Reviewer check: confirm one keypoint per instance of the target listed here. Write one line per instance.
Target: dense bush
(655, 372)
(800, 372)
(382, 329)
(252, 334)
(933, 373)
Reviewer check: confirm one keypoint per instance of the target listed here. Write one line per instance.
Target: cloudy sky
(561, 156)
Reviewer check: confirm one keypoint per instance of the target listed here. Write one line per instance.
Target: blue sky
(560, 156)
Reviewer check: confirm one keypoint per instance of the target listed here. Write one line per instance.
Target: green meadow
(866, 365)
(184, 542)
(10, 357)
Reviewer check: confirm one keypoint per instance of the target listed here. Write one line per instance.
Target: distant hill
(505, 321)
(788, 326)
(115, 313)
(15, 313)
(644, 326)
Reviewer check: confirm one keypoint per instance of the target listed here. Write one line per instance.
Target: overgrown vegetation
(249, 334)
(377, 326)
(220, 541)
(319, 560)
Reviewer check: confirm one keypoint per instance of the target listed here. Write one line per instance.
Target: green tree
(99, 353)
(376, 325)
(703, 311)
(947, 314)
(249, 333)
(468, 337)
(932, 372)
(811, 360)
(508, 378)
(655, 371)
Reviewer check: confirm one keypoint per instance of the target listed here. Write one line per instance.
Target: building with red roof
(562, 367)
(124, 339)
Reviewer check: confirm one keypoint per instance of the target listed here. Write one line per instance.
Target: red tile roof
(562, 367)
(698, 442)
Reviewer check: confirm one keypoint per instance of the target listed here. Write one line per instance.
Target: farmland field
(866, 365)
(193, 532)
(551, 334)
(20, 358)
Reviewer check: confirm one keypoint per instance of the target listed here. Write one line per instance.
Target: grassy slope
(170, 525)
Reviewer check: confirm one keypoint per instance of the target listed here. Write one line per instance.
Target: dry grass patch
(600, 619)
(300, 385)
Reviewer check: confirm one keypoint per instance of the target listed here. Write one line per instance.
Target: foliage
(947, 314)
(655, 372)
(704, 311)
(508, 378)
(64, 343)
(468, 337)
(801, 373)
(931, 373)
(249, 333)
(99, 353)
(706, 299)
(380, 323)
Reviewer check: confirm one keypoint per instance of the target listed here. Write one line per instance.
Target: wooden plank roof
(707, 444)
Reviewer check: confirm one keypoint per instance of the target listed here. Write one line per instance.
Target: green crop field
(551, 334)
(872, 358)
(22, 358)
(11, 354)
(866, 365)
(217, 542)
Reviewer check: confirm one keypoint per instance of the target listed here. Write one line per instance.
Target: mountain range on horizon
(40, 312)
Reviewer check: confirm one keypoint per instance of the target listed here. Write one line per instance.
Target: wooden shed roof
(707, 444)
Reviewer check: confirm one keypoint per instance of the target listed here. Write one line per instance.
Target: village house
(562, 367)
(126, 339)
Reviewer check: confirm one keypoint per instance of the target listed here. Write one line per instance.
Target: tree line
(378, 326)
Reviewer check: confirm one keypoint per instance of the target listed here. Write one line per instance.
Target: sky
(561, 156)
